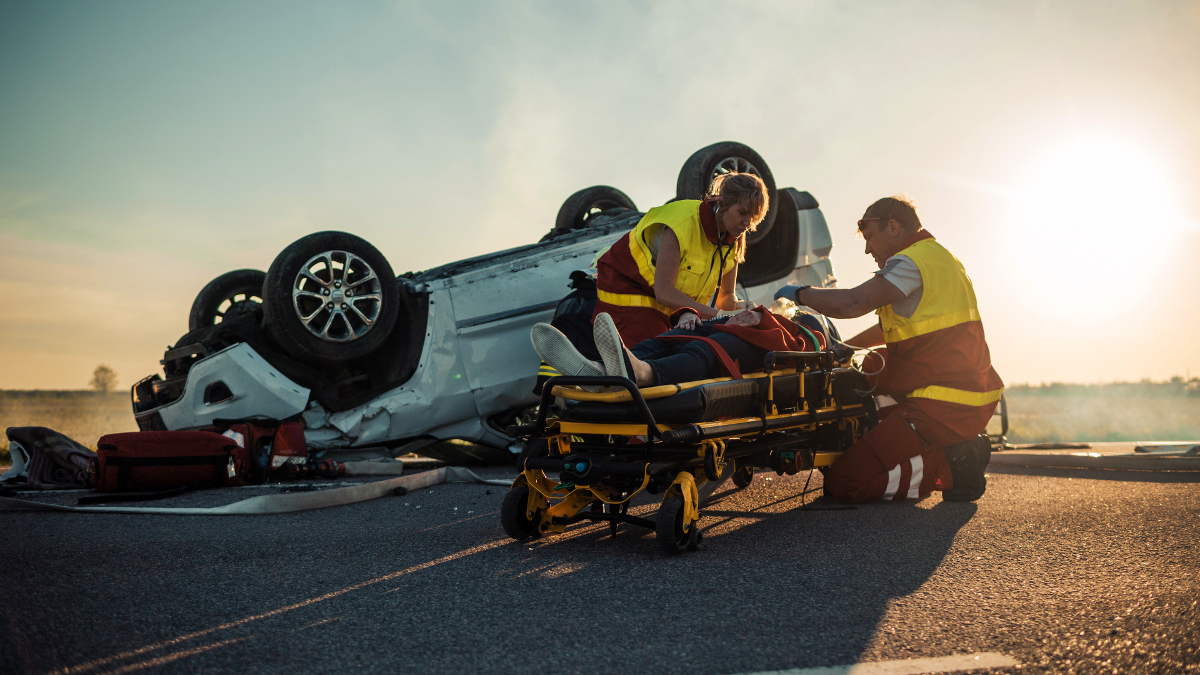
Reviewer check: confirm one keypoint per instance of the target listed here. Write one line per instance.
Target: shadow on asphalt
(803, 588)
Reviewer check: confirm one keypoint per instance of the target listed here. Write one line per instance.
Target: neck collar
(919, 236)
(708, 223)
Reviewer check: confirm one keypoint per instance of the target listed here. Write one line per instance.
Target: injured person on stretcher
(725, 346)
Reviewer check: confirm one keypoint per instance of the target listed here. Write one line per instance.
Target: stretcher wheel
(743, 477)
(514, 517)
(711, 471)
(669, 528)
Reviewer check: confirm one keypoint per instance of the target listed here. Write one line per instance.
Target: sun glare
(1089, 207)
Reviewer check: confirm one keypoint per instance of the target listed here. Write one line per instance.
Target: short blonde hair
(750, 192)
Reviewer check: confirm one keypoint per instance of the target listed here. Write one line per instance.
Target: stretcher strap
(727, 364)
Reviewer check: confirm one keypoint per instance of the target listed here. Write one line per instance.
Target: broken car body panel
(252, 388)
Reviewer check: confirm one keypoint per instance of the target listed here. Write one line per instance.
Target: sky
(147, 147)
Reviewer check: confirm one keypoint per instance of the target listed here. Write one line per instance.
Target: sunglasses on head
(865, 220)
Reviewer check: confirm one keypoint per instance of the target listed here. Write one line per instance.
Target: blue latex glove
(789, 292)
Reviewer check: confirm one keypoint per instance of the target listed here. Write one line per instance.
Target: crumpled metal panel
(495, 308)
(437, 395)
(258, 390)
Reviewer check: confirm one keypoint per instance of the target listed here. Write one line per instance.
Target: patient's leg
(672, 362)
(665, 362)
(643, 373)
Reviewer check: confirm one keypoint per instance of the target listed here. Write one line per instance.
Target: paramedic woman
(683, 254)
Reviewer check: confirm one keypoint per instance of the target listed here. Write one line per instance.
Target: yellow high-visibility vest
(947, 300)
(700, 268)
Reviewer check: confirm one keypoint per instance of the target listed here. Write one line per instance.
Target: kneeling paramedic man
(937, 366)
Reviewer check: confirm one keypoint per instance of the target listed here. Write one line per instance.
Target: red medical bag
(266, 446)
(157, 460)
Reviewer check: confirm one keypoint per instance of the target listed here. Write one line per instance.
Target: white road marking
(943, 664)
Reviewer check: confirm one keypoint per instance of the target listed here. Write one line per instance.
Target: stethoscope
(724, 256)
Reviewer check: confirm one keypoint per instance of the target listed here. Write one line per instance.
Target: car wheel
(707, 163)
(330, 296)
(232, 294)
(580, 207)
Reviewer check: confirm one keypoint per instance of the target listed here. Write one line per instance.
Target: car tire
(576, 212)
(707, 163)
(235, 293)
(317, 311)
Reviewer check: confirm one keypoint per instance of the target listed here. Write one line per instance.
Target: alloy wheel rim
(236, 305)
(735, 165)
(598, 207)
(337, 296)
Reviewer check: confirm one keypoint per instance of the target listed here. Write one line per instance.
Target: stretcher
(799, 413)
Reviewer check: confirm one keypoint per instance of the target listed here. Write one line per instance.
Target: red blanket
(773, 333)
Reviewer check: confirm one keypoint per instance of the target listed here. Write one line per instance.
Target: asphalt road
(1063, 570)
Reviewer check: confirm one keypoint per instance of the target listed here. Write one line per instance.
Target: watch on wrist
(796, 293)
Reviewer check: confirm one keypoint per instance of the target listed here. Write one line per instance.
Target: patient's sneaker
(609, 344)
(557, 351)
(968, 462)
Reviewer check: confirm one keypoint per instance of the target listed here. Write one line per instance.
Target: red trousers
(903, 457)
(635, 324)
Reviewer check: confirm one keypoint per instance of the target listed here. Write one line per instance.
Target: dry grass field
(1043, 419)
(83, 415)
(1036, 415)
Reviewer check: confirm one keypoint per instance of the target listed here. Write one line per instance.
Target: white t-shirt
(902, 272)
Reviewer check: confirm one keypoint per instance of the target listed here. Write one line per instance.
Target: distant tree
(103, 379)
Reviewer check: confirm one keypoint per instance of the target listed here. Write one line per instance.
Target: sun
(1091, 212)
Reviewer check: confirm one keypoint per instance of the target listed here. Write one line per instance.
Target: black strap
(169, 461)
(125, 465)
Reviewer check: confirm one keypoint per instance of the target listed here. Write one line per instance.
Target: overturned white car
(371, 360)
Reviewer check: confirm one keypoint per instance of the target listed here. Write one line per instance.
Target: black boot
(968, 463)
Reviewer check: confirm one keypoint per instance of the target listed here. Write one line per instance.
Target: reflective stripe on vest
(948, 298)
(929, 325)
(698, 257)
(947, 301)
(632, 300)
(972, 398)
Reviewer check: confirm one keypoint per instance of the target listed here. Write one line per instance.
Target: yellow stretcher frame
(551, 506)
